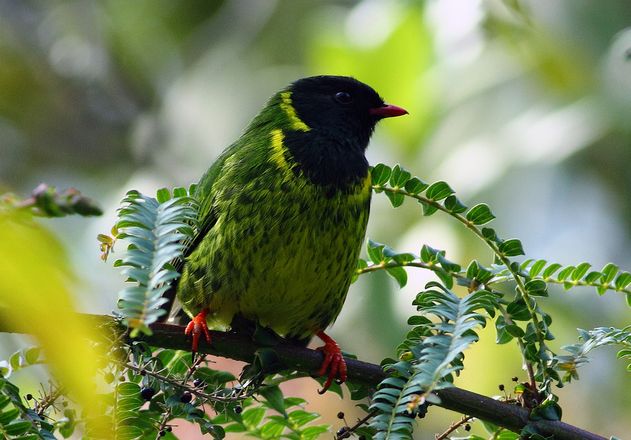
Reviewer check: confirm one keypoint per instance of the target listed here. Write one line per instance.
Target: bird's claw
(333, 363)
(196, 327)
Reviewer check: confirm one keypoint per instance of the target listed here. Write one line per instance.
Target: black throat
(337, 163)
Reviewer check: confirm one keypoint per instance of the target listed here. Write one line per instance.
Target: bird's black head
(340, 106)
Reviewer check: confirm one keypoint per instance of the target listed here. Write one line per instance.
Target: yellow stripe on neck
(362, 191)
(290, 111)
(278, 151)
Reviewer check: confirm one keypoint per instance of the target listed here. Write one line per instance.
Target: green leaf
(427, 208)
(592, 277)
(163, 195)
(32, 355)
(515, 330)
(8, 415)
(536, 267)
(609, 272)
(449, 266)
(550, 270)
(313, 432)
(548, 410)
(16, 360)
(375, 251)
(438, 191)
(399, 176)
(396, 198)
(454, 205)
(623, 280)
(472, 269)
(272, 430)
(428, 254)
(565, 272)
(274, 397)
(415, 185)
(580, 271)
(179, 192)
(445, 277)
(301, 417)
(537, 288)
(518, 310)
(490, 235)
(480, 214)
(17, 427)
(128, 389)
(399, 274)
(511, 247)
(380, 174)
(252, 417)
(503, 336)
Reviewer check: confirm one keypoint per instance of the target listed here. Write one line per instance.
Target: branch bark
(239, 346)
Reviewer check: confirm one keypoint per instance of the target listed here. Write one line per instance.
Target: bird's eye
(343, 97)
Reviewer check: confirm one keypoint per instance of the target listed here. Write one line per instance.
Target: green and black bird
(283, 215)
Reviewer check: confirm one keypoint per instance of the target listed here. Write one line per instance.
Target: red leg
(333, 362)
(196, 327)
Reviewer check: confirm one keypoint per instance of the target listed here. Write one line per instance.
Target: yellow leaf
(34, 299)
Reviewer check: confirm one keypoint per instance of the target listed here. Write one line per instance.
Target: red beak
(388, 111)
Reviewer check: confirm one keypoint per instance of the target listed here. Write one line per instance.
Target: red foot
(196, 327)
(333, 362)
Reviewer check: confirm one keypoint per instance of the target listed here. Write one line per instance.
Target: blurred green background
(524, 105)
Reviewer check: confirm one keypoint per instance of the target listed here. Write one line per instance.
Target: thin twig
(453, 427)
(359, 423)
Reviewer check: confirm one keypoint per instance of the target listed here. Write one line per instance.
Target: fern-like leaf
(156, 232)
(432, 353)
(598, 337)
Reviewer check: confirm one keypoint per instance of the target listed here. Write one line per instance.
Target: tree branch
(241, 347)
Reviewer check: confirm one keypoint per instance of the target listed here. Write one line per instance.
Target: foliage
(450, 311)
(157, 230)
(431, 354)
(35, 298)
(45, 201)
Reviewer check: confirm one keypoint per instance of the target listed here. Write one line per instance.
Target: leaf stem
(453, 427)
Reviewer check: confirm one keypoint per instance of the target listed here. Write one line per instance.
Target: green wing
(205, 195)
(206, 220)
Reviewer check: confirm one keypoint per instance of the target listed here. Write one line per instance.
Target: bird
(283, 214)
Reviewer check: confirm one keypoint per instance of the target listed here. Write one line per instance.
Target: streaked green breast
(282, 249)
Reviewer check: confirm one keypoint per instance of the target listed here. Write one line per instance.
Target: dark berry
(501, 387)
(467, 427)
(143, 373)
(238, 409)
(147, 393)
(515, 379)
(29, 396)
(197, 383)
(340, 415)
(162, 433)
(186, 397)
(361, 437)
(422, 410)
(169, 429)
